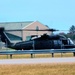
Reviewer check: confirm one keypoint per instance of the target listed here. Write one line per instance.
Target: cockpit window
(70, 41)
(62, 36)
(57, 42)
(65, 42)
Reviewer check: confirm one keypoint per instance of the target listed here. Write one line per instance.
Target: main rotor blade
(34, 30)
(41, 30)
(14, 30)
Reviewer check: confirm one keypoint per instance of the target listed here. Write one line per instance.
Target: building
(16, 30)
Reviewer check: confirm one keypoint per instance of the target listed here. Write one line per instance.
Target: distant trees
(72, 29)
(71, 33)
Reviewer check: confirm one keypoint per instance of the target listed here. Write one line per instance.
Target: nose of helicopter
(71, 42)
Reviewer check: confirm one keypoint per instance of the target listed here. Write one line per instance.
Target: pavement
(38, 60)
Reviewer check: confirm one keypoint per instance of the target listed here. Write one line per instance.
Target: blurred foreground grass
(38, 69)
(36, 55)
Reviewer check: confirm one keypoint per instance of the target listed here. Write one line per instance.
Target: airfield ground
(38, 69)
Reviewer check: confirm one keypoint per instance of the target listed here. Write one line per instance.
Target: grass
(37, 55)
(38, 69)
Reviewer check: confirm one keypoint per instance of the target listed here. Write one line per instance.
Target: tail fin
(3, 36)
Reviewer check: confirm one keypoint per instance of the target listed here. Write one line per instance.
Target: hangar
(22, 35)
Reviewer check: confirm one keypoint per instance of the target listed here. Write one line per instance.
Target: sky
(58, 14)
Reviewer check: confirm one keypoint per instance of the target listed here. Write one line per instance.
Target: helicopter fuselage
(45, 42)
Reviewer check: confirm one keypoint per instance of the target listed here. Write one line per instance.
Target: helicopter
(45, 41)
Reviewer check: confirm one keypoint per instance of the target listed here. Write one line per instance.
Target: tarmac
(38, 60)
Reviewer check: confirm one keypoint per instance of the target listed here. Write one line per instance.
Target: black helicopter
(43, 42)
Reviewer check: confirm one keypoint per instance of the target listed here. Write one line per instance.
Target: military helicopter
(43, 42)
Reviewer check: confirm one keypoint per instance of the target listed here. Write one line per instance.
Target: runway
(38, 60)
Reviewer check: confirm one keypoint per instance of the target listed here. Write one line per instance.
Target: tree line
(71, 33)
